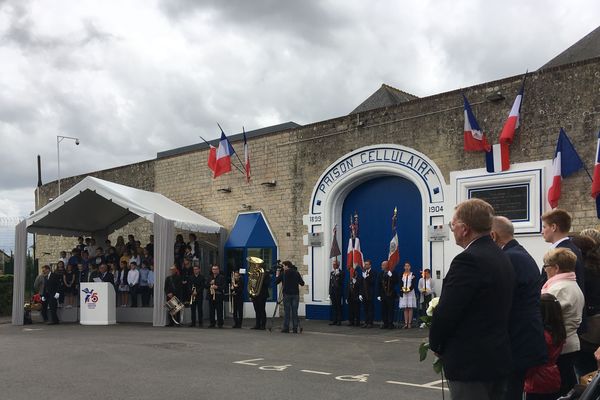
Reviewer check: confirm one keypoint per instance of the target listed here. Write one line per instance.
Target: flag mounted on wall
(596, 178)
(474, 138)
(508, 131)
(223, 156)
(566, 162)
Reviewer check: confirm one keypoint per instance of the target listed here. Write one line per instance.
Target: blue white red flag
(394, 254)
(508, 131)
(566, 162)
(474, 138)
(494, 157)
(223, 156)
(596, 178)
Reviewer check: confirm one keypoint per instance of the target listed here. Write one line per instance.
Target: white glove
(360, 297)
(378, 298)
(56, 296)
(353, 280)
(389, 273)
(43, 298)
(346, 301)
(364, 274)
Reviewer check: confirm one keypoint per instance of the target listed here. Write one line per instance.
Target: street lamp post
(59, 139)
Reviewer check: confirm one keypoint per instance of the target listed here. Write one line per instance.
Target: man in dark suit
(336, 283)
(556, 225)
(388, 296)
(526, 329)
(106, 275)
(367, 294)
(51, 294)
(216, 285)
(354, 286)
(469, 329)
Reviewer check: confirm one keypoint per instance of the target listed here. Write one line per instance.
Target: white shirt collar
(559, 241)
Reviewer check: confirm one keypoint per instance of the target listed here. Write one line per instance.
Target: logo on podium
(91, 297)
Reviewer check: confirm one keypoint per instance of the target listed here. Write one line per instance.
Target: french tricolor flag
(508, 131)
(222, 163)
(596, 179)
(566, 162)
(474, 138)
(497, 158)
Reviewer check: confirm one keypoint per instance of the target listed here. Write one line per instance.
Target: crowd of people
(502, 328)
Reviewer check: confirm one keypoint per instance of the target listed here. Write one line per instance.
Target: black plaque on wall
(511, 202)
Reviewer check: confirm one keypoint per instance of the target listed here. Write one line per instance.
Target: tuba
(256, 275)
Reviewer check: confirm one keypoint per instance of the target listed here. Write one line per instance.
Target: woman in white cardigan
(559, 264)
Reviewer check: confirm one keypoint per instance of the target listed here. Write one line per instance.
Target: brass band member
(336, 282)
(237, 291)
(387, 295)
(173, 287)
(260, 303)
(216, 285)
(196, 289)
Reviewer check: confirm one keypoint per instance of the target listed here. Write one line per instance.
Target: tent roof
(95, 205)
(250, 230)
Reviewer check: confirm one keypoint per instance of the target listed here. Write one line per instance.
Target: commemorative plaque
(508, 201)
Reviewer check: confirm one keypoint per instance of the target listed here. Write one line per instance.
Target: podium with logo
(97, 303)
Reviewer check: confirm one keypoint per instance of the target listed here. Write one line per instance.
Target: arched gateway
(372, 181)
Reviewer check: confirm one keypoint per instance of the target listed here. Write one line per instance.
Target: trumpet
(194, 294)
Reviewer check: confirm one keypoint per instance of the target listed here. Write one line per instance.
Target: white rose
(432, 305)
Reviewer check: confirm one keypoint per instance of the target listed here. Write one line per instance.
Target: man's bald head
(503, 230)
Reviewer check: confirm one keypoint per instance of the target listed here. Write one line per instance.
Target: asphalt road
(129, 361)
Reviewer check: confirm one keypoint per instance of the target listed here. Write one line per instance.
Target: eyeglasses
(546, 266)
(452, 225)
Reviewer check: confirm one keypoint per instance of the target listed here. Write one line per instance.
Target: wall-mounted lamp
(246, 206)
(224, 190)
(272, 183)
(495, 97)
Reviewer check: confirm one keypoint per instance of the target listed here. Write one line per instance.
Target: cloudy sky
(131, 78)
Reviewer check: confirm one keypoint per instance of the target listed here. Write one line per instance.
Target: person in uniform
(237, 291)
(260, 303)
(173, 287)
(366, 295)
(354, 288)
(196, 284)
(336, 282)
(51, 295)
(387, 295)
(216, 285)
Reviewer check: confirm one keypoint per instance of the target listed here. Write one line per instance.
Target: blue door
(374, 201)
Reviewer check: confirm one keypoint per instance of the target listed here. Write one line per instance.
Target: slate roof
(232, 138)
(385, 96)
(586, 48)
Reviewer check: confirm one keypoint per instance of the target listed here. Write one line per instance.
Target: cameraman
(291, 278)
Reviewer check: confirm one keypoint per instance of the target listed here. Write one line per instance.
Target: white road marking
(31, 329)
(308, 371)
(434, 383)
(247, 362)
(353, 378)
(391, 341)
(275, 367)
(426, 386)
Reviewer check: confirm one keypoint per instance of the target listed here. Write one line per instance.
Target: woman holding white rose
(559, 264)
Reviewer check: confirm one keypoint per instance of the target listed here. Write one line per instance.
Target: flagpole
(236, 154)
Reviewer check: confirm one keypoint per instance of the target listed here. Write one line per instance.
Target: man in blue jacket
(525, 329)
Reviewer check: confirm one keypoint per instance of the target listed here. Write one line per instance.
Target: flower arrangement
(424, 347)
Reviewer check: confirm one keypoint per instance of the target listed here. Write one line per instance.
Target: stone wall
(567, 96)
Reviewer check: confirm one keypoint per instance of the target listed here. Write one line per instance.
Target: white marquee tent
(97, 207)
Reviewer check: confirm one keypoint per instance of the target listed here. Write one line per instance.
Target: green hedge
(6, 290)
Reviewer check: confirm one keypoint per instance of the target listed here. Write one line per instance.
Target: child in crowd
(543, 382)
(408, 299)
(70, 286)
(122, 286)
(426, 288)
